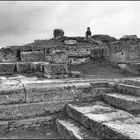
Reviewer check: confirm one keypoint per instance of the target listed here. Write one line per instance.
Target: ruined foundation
(60, 88)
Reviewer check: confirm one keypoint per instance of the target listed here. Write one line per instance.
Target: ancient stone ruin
(71, 88)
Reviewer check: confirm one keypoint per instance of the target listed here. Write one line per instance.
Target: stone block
(31, 122)
(37, 66)
(7, 55)
(41, 91)
(77, 61)
(3, 127)
(128, 89)
(7, 68)
(11, 91)
(125, 102)
(120, 130)
(55, 76)
(12, 98)
(48, 58)
(70, 129)
(32, 56)
(19, 111)
(55, 69)
(24, 67)
(74, 74)
(96, 52)
(86, 113)
(70, 42)
(60, 58)
(39, 94)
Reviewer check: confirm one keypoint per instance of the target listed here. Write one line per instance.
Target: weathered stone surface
(24, 67)
(32, 56)
(77, 61)
(134, 82)
(31, 122)
(100, 84)
(54, 94)
(8, 55)
(12, 98)
(37, 66)
(105, 121)
(124, 50)
(125, 102)
(80, 53)
(74, 74)
(7, 68)
(55, 69)
(128, 89)
(90, 94)
(58, 33)
(11, 87)
(95, 112)
(27, 110)
(40, 92)
(70, 42)
(55, 76)
(59, 57)
(70, 129)
(3, 127)
(121, 129)
(96, 52)
(77, 112)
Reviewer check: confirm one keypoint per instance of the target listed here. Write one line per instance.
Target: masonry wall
(122, 51)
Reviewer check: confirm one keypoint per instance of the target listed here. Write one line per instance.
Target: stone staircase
(114, 116)
(26, 104)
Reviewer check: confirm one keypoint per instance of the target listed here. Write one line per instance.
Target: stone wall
(7, 55)
(123, 51)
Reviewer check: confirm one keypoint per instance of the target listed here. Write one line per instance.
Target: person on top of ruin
(88, 33)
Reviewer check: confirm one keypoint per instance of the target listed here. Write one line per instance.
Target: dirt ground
(101, 69)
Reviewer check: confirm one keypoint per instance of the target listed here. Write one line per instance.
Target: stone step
(128, 89)
(125, 102)
(105, 121)
(15, 92)
(70, 129)
(134, 82)
(42, 91)
(27, 110)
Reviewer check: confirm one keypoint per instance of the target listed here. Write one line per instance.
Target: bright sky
(24, 21)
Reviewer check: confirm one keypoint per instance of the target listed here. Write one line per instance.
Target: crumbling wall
(123, 51)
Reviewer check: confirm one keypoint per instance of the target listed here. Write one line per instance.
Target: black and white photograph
(70, 70)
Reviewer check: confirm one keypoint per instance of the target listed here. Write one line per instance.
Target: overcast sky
(24, 21)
